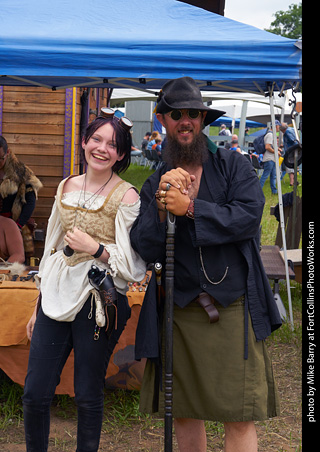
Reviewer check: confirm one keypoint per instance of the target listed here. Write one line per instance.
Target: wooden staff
(168, 379)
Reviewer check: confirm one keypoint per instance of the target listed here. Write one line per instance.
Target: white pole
(282, 225)
(243, 122)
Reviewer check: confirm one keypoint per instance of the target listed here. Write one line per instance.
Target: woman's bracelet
(99, 251)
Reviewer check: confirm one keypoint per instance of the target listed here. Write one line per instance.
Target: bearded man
(223, 304)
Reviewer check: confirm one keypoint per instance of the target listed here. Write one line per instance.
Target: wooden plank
(42, 213)
(29, 89)
(36, 149)
(42, 160)
(47, 192)
(20, 138)
(293, 255)
(44, 203)
(51, 181)
(26, 97)
(33, 118)
(273, 264)
(41, 171)
(19, 107)
(32, 128)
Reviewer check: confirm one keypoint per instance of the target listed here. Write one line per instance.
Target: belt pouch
(103, 282)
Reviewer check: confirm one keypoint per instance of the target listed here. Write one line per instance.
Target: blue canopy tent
(228, 121)
(132, 44)
(61, 44)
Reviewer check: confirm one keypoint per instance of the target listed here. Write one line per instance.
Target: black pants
(50, 347)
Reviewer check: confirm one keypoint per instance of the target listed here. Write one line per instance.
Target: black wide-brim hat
(184, 93)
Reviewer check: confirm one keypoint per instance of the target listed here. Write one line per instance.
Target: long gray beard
(176, 154)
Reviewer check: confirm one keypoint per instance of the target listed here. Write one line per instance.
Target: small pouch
(106, 298)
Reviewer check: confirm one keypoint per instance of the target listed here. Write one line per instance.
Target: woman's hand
(30, 324)
(81, 241)
(178, 178)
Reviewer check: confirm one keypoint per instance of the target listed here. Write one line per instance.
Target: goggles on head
(109, 113)
(176, 115)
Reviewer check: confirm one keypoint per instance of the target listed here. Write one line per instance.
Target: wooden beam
(215, 6)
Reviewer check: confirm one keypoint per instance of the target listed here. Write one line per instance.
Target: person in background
(235, 144)
(152, 139)
(289, 139)
(18, 187)
(268, 160)
(11, 244)
(89, 229)
(223, 303)
(224, 132)
(157, 146)
(145, 142)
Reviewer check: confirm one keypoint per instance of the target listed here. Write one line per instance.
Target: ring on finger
(163, 200)
(168, 187)
(162, 193)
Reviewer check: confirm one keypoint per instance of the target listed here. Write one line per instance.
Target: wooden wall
(34, 125)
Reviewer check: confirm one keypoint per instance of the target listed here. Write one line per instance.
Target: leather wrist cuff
(99, 252)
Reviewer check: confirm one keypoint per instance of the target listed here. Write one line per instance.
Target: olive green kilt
(212, 380)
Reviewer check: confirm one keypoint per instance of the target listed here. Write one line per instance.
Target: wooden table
(17, 302)
(295, 256)
(275, 269)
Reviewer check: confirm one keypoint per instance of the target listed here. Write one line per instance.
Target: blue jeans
(50, 347)
(269, 169)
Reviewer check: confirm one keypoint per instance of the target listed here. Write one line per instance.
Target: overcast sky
(257, 13)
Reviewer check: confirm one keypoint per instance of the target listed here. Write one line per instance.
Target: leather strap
(207, 303)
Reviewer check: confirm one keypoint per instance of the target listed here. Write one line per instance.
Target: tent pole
(282, 225)
(242, 125)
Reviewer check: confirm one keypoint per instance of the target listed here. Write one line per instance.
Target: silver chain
(205, 273)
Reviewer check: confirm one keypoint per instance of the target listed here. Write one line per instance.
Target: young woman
(89, 224)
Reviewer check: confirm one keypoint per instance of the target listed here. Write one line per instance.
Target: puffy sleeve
(124, 262)
(54, 237)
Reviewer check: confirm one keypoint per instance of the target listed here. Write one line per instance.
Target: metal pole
(168, 379)
(275, 147)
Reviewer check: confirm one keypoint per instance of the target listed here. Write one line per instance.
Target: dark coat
(233, 216)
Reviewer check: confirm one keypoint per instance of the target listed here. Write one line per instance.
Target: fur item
(14, 268)
(17, 176)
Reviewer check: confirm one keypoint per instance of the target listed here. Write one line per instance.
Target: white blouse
(65, 289)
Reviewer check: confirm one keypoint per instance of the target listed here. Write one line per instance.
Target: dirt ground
(281, 434)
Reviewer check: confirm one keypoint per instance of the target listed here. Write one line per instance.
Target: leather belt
(206, 301)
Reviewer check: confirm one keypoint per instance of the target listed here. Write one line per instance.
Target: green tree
(288, 23)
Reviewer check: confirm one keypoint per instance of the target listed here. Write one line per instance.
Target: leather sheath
(206, 301)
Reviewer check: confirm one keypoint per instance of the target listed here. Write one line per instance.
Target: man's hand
(173, 192)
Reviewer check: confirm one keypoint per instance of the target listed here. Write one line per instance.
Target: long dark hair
(122, 137)
(3, 144)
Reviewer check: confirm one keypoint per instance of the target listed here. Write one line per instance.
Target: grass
(122, 407)
(136, 175)
(10, 401)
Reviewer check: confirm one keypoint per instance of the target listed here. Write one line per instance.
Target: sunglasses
(176, 115)
(109, 113)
